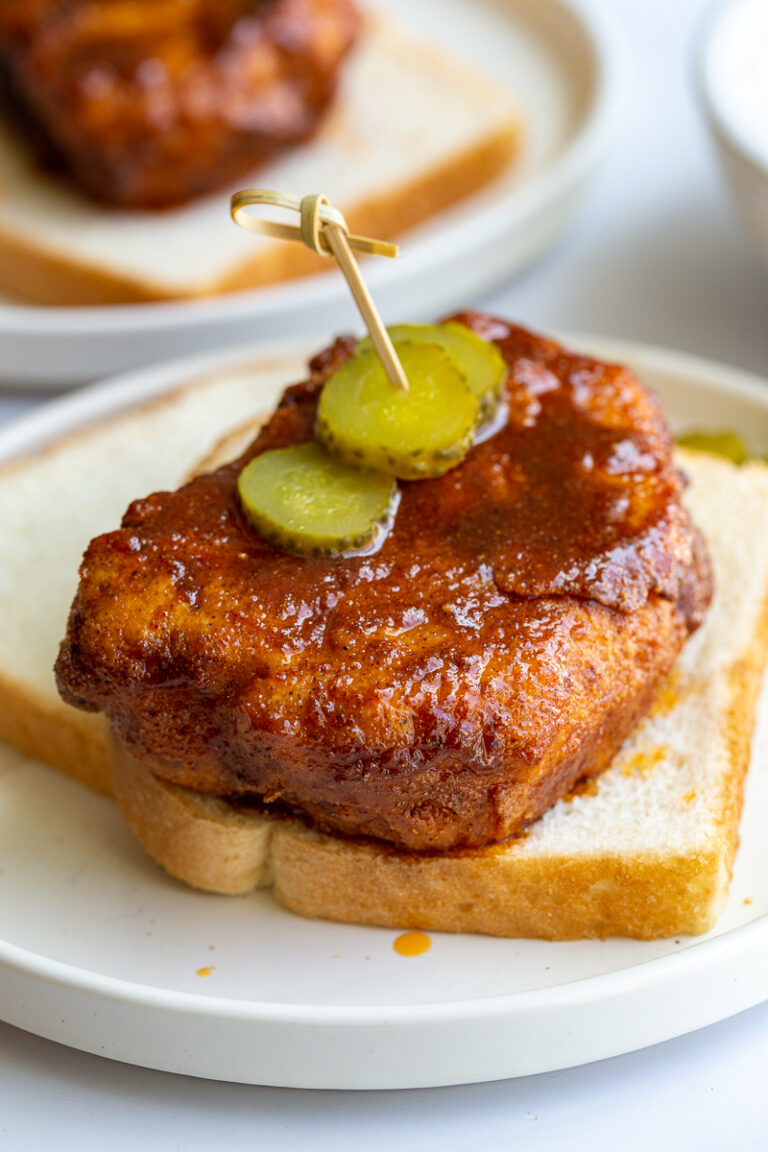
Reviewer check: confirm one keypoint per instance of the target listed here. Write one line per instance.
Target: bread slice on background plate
(412, 131)
(646, 851)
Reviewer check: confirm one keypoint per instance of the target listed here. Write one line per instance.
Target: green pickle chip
(364, 420)
(304, 500)
(726, 444)
(479, 362)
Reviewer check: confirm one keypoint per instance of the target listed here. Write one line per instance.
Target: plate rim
(580, 992)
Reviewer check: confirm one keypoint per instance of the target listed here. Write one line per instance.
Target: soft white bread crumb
(412, 131)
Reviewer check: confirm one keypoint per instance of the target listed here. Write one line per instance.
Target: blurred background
(614, 219)
(659, 253)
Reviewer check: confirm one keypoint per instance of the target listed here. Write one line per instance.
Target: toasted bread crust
(498, 892)
(75, 743)
(495, 891)
(200, 839)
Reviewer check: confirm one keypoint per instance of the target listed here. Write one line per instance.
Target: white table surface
(656, 256)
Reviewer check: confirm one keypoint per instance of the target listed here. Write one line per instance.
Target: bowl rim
(723, 127)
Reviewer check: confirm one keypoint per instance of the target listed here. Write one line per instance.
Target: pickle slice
(307, 502)
(364, 420)
(726, 444)
(479, 362)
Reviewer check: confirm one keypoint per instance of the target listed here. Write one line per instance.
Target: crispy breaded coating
(444, 692)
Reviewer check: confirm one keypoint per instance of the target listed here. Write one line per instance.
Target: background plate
(557, 58)
(100, 950)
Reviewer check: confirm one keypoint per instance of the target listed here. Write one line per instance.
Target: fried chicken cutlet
(148, 103)
(512, 629)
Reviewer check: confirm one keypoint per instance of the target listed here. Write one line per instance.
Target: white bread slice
(54, 501)
(413, 130)
(646, 852)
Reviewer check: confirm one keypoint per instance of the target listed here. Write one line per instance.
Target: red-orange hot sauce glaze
(442, 693)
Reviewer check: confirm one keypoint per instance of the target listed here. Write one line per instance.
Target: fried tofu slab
(512, 629)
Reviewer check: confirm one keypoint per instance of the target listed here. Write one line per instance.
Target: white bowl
(732, 83)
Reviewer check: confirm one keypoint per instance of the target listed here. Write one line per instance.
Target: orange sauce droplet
(644, 760)
(204, 971)
(412, 944)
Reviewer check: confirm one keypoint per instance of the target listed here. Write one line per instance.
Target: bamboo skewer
(324, 230)
(378, 333)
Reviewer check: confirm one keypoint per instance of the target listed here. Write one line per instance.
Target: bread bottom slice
(646, 850)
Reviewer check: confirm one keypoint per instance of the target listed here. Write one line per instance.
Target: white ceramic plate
(100, 950)
(557, 57)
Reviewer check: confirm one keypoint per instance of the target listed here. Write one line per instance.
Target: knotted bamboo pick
(324, 230)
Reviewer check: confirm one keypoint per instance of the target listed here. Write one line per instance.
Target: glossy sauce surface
(576, 493)
(443, 692)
